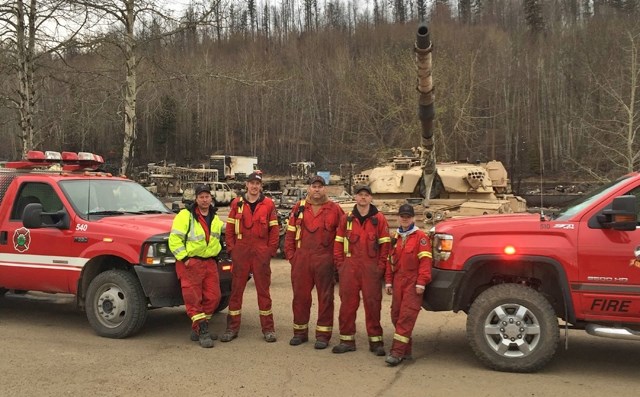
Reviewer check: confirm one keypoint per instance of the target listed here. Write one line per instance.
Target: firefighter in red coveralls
(252, 234)
(195, 241)
(308, 244)
(408, 273)
(360, 253)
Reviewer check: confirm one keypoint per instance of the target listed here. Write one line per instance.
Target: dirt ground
(48, 349)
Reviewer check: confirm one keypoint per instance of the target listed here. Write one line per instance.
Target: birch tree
(32, 32)
(128, 15)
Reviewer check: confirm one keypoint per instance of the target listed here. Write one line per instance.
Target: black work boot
(228, 336)
(343, 348)
(205, 337)
(377, 349)
(392, 361)
(298, 340)
(194, 336)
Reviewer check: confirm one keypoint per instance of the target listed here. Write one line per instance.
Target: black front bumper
(442, 292)
(161, 285)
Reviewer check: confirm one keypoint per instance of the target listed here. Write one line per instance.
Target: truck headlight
(157, 254)
(442, 246)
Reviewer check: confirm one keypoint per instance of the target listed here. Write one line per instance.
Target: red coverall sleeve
(290, 235)
(274, 228)
(338, 245)
(384, 240)
(425, 258)
(230, 229)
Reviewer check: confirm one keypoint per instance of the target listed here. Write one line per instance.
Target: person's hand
(388, 289)
(419, 290)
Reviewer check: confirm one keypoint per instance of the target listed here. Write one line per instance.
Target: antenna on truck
(541, 160)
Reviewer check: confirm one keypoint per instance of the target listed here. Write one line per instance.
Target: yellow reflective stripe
(198, 237)
(216, 235)
(300, 326)
(178, 250)
(208, 316)
(383, 240)
(347, 337)
(291, 228)
(298, 229)
(239, 219)
(339, 239)
(198, 317)
(266, 312)
(346, 240)
(424, 254)
(273, 223)
(375, 339)
(235, 312)
(401, 338)
(321, 328)
(178, 232)
(231, 220)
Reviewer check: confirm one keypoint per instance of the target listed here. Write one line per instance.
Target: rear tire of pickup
(512, 328)
(116, 305)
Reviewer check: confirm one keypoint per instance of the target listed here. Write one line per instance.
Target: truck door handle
(3, 237)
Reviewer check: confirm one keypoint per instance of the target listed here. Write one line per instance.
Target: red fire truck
(515, 275)
(66, 227)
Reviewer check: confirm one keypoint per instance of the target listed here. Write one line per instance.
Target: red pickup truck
(515, 275)
(67, 228)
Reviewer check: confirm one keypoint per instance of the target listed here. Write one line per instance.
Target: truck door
(609, 286)
(37, 258)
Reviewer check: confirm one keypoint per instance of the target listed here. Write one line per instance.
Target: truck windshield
(96, 198)
(585, 201)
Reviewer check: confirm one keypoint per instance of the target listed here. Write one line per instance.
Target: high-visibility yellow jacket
(187, 238)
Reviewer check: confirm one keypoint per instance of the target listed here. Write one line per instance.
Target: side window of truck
(35, 192)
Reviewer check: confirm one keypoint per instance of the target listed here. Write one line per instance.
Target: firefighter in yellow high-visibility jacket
(195, 241)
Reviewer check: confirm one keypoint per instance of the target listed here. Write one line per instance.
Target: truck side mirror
(34, 218)
(623, 214)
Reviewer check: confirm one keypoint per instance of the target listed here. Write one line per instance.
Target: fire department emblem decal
(21, 239)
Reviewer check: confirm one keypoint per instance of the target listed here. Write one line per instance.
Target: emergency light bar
(70, 161)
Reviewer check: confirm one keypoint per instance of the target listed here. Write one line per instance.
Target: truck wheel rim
(111, 305)
(512, 330)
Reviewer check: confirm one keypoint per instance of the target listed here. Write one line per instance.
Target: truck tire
(512, 328)
(3, 291)
(116, 305)
(224, 303)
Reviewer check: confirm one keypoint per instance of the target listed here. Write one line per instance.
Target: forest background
(546, 86)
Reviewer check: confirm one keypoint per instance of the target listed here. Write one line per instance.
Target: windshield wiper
(154, 212)
(104, 212)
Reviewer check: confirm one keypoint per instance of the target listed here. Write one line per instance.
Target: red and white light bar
(69, 161)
